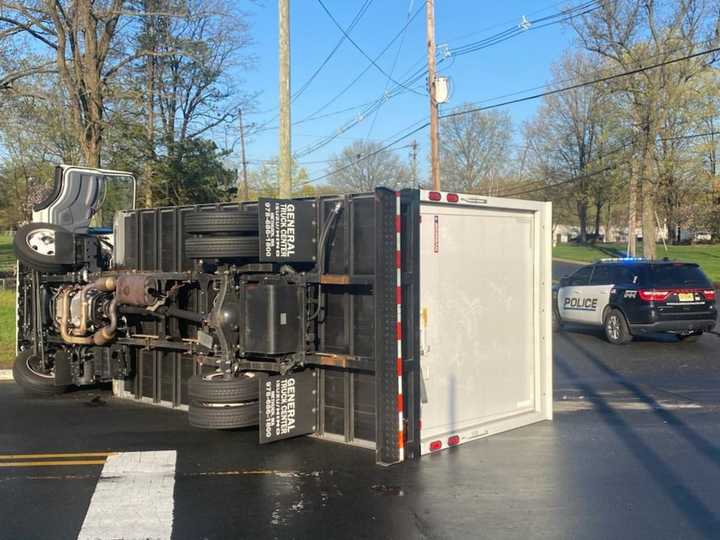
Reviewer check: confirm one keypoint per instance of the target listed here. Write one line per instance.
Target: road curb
(579, 263)
(6, 375)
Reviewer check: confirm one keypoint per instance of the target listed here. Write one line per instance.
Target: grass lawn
(7, 328)
(707, 256)
(7, 306)
(7, 257)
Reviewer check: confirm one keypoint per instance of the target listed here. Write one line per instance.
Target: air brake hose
(321, 254)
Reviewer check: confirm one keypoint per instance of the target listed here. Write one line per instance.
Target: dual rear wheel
(223, 234)
(221, 402)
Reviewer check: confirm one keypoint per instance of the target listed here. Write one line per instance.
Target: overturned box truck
(405, 322)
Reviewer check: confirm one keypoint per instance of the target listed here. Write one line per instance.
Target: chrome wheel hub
(42, 241)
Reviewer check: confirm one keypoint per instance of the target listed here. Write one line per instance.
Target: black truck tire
(224, 416)
(230, 221)
(42, 262)
(208, 389)
(31, 380)
(691, 337)
(223, 247)
(616, 328)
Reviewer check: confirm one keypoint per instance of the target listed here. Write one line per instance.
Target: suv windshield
(678, 275)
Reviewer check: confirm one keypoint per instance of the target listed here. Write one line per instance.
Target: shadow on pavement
(701, 444)
(699, 515)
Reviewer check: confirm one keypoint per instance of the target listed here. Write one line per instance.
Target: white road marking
(585, 405)
(133, 499)
(6, 375)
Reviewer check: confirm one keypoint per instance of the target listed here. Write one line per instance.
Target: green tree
(193, 173)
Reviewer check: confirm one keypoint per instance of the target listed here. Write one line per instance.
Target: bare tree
(187, 50)
(632, 34)
(183, 48)
(570, 137)
(348, 172)
(75, 38)
(475, 150)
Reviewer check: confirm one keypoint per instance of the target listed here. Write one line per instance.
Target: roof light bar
(622, 259)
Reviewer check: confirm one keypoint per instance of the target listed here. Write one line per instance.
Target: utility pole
(246, 189)
(413, 158)
(434, 149)
(285, 161)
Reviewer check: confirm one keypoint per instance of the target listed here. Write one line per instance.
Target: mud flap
(63, 373)
(288, 405)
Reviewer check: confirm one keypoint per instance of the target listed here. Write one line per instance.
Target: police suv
(634, 296)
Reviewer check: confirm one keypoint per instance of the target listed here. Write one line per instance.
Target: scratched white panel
(133, 499)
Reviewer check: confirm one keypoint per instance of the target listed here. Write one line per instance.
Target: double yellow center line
(63, 459)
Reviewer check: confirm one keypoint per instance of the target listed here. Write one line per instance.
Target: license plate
(686, 297)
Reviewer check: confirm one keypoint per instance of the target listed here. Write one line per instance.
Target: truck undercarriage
(86, 307)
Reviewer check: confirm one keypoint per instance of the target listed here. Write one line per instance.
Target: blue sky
(516, 64)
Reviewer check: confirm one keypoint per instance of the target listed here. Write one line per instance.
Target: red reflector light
(455, 439)
(435, 446)
(650, 296)
(452, 197)
(709, 294)
(434, 196)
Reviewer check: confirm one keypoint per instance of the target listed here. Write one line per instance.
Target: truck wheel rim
(41, 241)
(614, 327)
(36, 371)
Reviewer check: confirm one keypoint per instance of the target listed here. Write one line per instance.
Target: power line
(608, 168)
(583, 84)
(564, 182)
(361, 51)
(369, 155)
(528, 98)
(525, 26)
(509, 33)
(377, 57)
(374, 105)
(320, 161)
(505, 22)
(392, 72)
(345, 35)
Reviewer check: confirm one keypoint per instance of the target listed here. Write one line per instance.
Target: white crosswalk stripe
(133, 498)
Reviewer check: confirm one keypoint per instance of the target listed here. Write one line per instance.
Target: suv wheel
(691, 337)
(616, 328)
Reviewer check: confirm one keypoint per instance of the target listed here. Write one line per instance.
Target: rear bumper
(674, 326)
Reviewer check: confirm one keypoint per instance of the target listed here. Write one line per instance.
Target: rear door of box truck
(485, 319)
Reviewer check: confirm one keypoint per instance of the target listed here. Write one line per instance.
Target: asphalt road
(633, 452)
